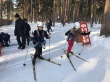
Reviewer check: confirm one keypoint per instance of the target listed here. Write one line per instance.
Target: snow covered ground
(97, 70)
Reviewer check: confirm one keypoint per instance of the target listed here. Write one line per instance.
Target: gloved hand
(34, 42)
(89, 33)
(48, 37)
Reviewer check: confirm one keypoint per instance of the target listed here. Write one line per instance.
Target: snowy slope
(11, 62)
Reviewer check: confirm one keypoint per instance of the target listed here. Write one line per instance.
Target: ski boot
(40, 57)
(33, 61)
(7, 45)
(71, 52)
(68, 54)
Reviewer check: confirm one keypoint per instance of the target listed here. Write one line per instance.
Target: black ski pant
(21, 40)
(38, 52)
(48, 29)
(28, 39)
(51, 29)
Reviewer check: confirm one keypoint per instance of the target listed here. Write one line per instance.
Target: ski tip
(74, 69)
(88, 61)
(49, 59)
(59, 64)
(31, 54)
(24, 64)
(79, 54)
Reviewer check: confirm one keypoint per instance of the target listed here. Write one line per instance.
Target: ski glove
(85, 33)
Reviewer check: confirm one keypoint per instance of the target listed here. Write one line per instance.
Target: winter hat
(16, 15)
(40, 24)
(77, 25)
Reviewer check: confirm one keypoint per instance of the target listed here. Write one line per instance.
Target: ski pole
(49, 48)
(25, 58)
(64, 45)
(81, 50)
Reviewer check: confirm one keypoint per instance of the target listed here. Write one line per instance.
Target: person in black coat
(49, 25)
(20, 31)
(28, 28)
(38, 41)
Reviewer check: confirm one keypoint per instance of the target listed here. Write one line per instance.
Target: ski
(34, 69)
(49, 61)
(77, 56)
(80, 58)
(70, 61)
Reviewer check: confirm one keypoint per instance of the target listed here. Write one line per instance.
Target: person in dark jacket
(28, 28)
(72, 36)
(0, 37)
(5, 39)
(49, 25)
(39, 41)
(20, 31)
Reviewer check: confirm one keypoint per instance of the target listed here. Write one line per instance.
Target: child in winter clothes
(38, 41)
(5, 38)
(72, 35)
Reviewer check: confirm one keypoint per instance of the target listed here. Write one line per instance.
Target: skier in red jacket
(72, 35)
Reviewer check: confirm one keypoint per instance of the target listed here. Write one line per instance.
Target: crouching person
(38, 41)
(5, 39)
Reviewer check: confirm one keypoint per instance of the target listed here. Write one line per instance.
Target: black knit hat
(16, 15)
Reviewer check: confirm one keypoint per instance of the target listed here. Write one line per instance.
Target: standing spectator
(48, 25)
(28, 28)
(20, 31)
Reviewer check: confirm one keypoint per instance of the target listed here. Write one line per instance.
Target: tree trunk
(92, 13)
(39, 11)
(33, 15)
(63, 12)
(66, 10)
(70, 9)
(76, 11)
(54, 14)
(85, 17)
(8, 9)
(23, 9)
(105, 28)
(35, 11)
(0, 13)
(31, 11)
